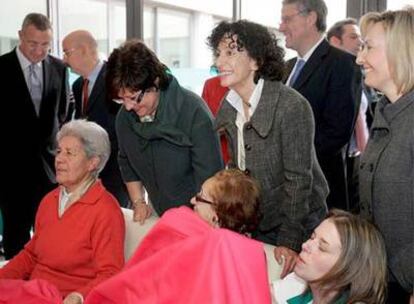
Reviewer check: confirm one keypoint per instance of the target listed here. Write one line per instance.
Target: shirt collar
(310, 52)
(95, 72)
(24, 62)
(236, 101)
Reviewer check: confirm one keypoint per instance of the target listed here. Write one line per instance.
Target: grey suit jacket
(386, 180)
(280, 154)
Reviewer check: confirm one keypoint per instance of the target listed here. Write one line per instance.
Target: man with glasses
(33, 92)
(167, 142)
(80, 51)
(323, 75)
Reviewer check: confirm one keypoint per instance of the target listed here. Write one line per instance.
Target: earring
(215, 220)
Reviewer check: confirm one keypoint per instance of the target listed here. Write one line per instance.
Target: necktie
(298, 68)
(35, 87)
(361, 132)
(85, 93)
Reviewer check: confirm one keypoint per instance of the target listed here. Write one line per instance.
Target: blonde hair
(399, 36)
(361, 267)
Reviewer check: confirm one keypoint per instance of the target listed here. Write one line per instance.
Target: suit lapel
(262, 118)
(312, 64)
(98, 89)
(289, 67)
(47, 81)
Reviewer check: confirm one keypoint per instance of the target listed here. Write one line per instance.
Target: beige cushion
(134, 231)
(273, 268)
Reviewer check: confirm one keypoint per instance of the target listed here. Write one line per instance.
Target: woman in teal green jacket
(167, 143)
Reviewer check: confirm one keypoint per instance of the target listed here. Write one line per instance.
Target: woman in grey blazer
(270, 130)
(387, 166)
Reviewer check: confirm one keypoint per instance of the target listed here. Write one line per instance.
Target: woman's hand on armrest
(287, 257)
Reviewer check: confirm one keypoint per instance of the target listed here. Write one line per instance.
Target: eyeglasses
(68, 53)
(199, 199)
(288, 19)
(136, 99)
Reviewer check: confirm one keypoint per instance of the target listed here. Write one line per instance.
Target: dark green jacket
(173, 155)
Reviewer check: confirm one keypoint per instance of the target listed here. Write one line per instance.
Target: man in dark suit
(345, 35)
(33, 93)
(324, 75)
(91, 101)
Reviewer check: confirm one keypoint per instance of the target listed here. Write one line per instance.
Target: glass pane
(174, 35)
(118, 26)
(222, 8)
(12, 14)
(398, 4)
(149, 27)
(336, 11)
(88, 15)
(266, 12)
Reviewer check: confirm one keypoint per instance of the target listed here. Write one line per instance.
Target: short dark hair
(135, 67)
(317, 6)
(337, 30)
(39, 21)
(237, 198)
(260, 44)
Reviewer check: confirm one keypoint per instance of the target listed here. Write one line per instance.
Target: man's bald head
(80, 51)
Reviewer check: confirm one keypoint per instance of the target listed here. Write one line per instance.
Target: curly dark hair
(260, 44)
(236, 197)
(135, 67)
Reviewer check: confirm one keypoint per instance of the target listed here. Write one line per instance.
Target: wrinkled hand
(141, 212)
(73, 298)
(287, 257)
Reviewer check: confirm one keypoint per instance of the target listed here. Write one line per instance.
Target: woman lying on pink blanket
(189, 258)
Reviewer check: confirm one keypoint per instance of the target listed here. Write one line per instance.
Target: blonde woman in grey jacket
(387, 165)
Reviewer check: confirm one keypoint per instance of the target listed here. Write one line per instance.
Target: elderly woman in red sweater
(79, 229)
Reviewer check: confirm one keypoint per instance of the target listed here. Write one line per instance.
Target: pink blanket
(184, 260)
(28, 292)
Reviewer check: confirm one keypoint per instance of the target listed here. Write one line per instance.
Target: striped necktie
(298, 68)
(85, 95)
(35, 87)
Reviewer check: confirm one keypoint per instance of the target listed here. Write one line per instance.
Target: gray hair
(94, 138)
(39, 21)
(317, 6)
(337, 30)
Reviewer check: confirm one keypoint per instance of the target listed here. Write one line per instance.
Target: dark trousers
(396, 294)
(334, 169)
(19, 211)
(112, 180)
(352, 176)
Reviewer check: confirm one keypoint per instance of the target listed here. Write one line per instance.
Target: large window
(179, 39)
(12, 14)
(266, 12)
(105, 19)
(398, 4)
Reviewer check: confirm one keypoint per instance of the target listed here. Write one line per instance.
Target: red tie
(85, 93)
(361, 132)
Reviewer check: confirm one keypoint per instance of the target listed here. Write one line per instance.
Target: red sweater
(77, 251)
